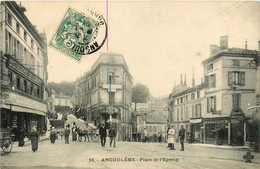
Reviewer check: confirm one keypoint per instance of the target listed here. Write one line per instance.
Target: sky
(159, 40)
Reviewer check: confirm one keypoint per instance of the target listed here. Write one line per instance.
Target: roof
(189, 90)
(239, 52)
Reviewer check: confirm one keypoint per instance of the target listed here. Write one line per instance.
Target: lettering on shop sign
(17, 67)
(217, 121)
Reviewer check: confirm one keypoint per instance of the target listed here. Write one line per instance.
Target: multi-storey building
(217, 110)
(23, 71)
(187, 110)
(106, 90)
(229, 90)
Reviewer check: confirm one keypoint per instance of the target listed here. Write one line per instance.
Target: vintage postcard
(130, 84)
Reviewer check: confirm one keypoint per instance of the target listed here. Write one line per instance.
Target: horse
(82, 133)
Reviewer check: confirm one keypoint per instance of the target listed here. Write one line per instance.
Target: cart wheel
(95, 137)
(80, 138)
(7, 146)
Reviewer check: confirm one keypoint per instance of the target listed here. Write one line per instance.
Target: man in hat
(182, 137)
(67, 134)
(103, 134)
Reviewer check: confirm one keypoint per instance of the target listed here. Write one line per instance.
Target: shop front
(19, 112)
(216, 130)
(237, 128)
(196, 130)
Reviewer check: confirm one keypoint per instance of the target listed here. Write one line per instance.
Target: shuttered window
(236, 78)
(211, 104)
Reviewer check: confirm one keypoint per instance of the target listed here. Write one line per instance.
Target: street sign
(110, 110)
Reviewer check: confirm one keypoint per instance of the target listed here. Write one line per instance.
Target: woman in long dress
(34, 139)
(21, 137)
(170, 140)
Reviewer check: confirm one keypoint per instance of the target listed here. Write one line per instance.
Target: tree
(140, 94)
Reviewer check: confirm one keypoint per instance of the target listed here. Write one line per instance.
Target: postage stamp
(80, 34)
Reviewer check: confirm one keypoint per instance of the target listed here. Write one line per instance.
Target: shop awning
(26, 110)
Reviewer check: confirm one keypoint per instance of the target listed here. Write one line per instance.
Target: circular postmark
(80, 33)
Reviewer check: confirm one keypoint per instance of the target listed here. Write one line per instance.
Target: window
(25, 86)
(192, 110)
(181, 99)
(18, 28)
(192, 96)
(112, 98)
(178, 101)
(10, 77)
(38, 50)
(32, 44)
(198, 94)
(18, 83)
(32, 92)
(236, 62)
(236, 78)
(38, 92)
(210, 67)
(111, 78)
(211, 104)
(6, 41)
(186, 98)
(210, 81)
(25, 36)
(236, 101)
(9, 19)
(177, 114)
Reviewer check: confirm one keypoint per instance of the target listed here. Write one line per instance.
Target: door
(237, 134)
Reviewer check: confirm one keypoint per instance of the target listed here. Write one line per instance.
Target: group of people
(33, 136)
(111, 133)
(171, 135)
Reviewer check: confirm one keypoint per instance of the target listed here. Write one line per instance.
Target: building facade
(23, 71)
(187, 110)
(106, 90)
(216, 112)
(229, 90)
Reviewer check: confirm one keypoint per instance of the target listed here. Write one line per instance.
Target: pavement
(125, 155)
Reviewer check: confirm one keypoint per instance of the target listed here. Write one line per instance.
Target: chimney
(223, 42)
(21, 7)
(246, 44)
(185, 80)
(181, 80)
(193, 80)
(213, 49)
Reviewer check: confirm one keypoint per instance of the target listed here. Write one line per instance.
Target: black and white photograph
(107, 84)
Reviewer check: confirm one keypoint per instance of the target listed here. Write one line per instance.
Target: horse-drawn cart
(90, 131)
(6, 141)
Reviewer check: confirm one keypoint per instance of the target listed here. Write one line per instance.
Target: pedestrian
(171, 134)
(103, 134)
(34, 139)
(167, 134)
(67, 134)
(53, 135)
(21, 137)
(160, 138)
(74, 132)
(146, 135)
(112, 134)
(182, 137)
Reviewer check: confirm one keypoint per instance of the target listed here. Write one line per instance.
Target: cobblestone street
(125, 155)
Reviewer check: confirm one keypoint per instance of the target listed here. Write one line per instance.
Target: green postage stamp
(80, 34)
